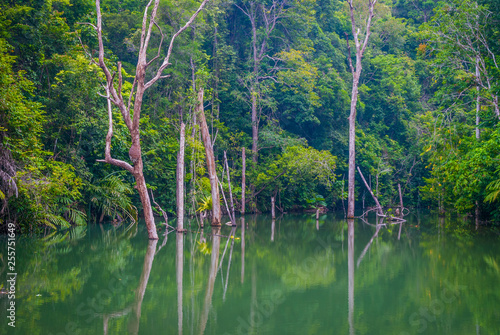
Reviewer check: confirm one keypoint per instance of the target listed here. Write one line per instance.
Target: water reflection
(273, 224)
(232, 237)
(242, 250)
(377, 229)
(133, 325)
(350, 266)
(214, 266)
(179, 266)
(294, 285)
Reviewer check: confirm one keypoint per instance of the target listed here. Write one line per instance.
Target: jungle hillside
(128, 110)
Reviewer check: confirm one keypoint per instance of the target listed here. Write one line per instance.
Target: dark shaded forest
(275, 81)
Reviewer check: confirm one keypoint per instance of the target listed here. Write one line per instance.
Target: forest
(126, 110)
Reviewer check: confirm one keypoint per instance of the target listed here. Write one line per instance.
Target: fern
(494, 189)
(54, 221)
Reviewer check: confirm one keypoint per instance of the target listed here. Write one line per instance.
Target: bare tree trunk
(273, 212)
(352, 146)
(478, 104)
(193, 150)
(356, 73)
(243, 180)
(180, 179)
(400, 199)
(255, 128)
(146, 204)
(253, 91)
(212, 173)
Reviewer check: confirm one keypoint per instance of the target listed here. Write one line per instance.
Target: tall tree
(263, 20)
(360, 43)
(139, 86)
(209, 150)
(461, 51)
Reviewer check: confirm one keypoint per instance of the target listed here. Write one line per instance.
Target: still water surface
(290, 276)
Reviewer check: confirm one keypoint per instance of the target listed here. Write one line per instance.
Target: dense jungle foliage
(428, 115)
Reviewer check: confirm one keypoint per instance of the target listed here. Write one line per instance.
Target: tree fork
(139, 86)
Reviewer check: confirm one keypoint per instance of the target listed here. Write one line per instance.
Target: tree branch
(166, 60)
(349, 56)
(379, 208)
(107, 151)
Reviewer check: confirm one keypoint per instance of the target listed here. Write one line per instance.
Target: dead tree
(356, 74)
(139, 86)
(209, 151)
(243, 180)
(180, 178)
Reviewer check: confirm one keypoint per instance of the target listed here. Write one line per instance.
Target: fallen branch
(379, 208)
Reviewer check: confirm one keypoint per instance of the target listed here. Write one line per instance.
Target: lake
(293, 275)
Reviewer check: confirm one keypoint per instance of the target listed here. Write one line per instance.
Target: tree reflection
(350, 266)
(214, 266)
(242, 250)
(273, 224)
(133, 325)
(232, 237)
(179, 266)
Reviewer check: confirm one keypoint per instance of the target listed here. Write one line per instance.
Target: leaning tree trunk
(209, 151)
(273, 212)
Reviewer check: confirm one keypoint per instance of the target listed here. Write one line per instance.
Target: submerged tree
(356, 74)
(131, 110)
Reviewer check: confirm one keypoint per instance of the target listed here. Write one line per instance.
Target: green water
(293, 276)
